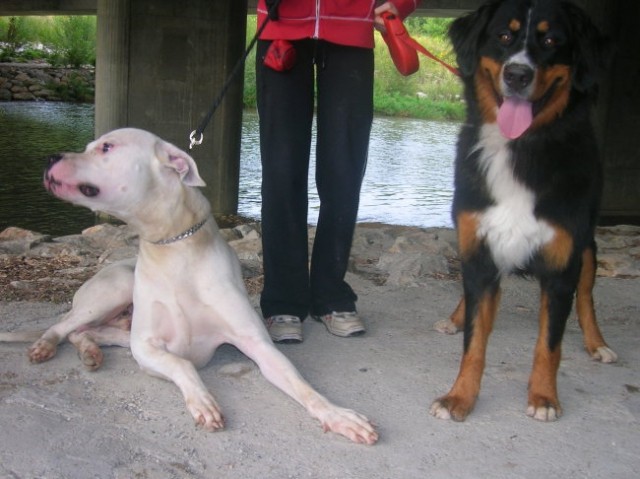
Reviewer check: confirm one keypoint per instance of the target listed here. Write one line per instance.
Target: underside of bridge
(160, 64)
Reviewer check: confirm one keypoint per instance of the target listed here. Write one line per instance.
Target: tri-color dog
(528, 183)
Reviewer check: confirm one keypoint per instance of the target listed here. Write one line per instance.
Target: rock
(25, 96)
(13, 233)
(46, 94)
(35, 265)
(30, 82)
(248, 249)
(18, 241)
(248, 231)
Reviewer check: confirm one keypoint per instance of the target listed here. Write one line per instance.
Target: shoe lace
(344, 315)
(283, 318)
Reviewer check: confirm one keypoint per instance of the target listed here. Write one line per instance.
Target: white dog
(186, 285)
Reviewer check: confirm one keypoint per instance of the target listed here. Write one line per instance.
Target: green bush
(75, 89)
(15, 34)
(64, 41)
(73, 41)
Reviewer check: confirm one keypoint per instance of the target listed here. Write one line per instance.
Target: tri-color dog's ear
(176, 159)
(466, 33)
(592, 51)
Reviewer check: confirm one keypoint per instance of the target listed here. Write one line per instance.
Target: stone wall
(41, 82)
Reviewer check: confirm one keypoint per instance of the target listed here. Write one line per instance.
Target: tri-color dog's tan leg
(460, 400)
(593, 340)
(543, 401)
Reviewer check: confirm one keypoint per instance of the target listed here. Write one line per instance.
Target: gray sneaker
(343, 324)
(284, 328)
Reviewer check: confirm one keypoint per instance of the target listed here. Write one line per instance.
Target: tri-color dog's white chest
(509, 227)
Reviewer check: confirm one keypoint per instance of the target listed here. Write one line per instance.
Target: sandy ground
(60, 421)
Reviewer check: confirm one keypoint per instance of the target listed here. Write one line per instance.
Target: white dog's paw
(88, 351)
(604, 355)
(205, 411)
(349, 424)
(42, 350)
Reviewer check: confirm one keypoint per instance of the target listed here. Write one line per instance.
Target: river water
(409, 179)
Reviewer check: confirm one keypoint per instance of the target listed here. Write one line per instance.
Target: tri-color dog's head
(526, 58)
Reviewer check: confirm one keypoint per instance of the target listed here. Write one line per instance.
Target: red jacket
(346, 22)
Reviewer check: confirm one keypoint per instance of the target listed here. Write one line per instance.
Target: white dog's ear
(179, 161)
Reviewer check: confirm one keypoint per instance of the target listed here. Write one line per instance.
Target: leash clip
(193, 141)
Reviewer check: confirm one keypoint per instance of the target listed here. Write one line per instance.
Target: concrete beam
(434, 8)
(431, 8)
(47, 7)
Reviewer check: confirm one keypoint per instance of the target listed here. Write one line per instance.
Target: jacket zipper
(316, 32)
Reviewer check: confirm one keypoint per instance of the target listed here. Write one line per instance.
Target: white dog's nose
(53, 159)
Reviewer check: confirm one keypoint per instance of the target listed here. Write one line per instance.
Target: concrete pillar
(164, 63)
(112, 65)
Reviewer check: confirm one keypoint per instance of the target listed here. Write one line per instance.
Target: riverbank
(42, 82)
(120, 423)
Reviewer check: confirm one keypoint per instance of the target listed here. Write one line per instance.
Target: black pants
(344, 80)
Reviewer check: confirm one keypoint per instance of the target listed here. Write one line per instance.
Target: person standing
(314, 55)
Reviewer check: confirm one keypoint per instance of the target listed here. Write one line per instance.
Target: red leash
(412, 43)
(403, 48)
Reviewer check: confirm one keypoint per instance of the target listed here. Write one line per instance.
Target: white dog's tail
(21, 336)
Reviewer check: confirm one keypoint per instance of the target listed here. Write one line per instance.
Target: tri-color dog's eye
(106, 147)
(505, 38)
(549, 42)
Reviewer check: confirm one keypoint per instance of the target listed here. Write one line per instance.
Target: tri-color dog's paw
(543, 408)
(544, 413)
(451, 407)
(604, 354)
(446, 326)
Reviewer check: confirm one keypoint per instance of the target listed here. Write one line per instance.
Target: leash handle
(403, 48)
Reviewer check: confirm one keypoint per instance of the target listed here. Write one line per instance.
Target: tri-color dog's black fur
(528, 182)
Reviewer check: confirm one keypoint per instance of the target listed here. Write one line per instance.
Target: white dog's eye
(106, 147)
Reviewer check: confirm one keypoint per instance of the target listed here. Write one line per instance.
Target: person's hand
(378, 22)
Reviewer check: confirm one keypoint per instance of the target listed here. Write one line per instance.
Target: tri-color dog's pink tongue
(514, 117)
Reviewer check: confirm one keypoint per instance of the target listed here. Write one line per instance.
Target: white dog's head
(121, 173)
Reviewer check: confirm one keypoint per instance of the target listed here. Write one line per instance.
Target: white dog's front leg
(282, 373)
(155, 360)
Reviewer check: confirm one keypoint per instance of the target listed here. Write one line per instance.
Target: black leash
(196, 137)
